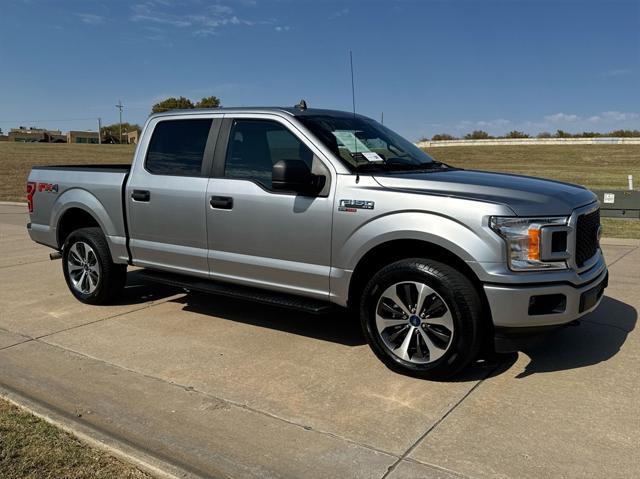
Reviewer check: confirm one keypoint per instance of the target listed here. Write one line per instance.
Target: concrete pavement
(206, 386)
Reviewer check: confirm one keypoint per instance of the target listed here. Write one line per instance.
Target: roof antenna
(353, 89)
(353, 103)
(302, 105)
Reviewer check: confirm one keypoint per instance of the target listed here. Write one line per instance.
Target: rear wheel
(422, 318)
(91, 275)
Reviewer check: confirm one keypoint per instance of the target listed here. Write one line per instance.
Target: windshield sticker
(372, 156)
(348, 140)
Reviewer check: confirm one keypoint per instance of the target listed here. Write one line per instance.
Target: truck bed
(100, 188)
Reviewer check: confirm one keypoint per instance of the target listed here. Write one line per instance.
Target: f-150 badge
(351, 206)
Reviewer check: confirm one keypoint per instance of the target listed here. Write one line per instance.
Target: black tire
(111, 277)
(451, 287)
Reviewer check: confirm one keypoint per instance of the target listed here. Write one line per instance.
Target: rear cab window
(177, 147)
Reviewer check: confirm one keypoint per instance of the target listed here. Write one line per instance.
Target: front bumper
(553, 304)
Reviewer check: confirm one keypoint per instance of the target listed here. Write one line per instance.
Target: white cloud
(617, 72)
(90, 18)
(500, 122)
(561, 118)
(204, 21)
(284, 28)
(603, 122)
(339, 13)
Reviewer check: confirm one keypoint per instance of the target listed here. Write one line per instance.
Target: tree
(544, 134)
(625, 133)
(111, 133)
(209, 102)
(516, 134)
(477, 135)
(181, 103)
(562, 134)
(443, 137)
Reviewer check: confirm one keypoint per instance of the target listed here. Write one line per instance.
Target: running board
(282, 300)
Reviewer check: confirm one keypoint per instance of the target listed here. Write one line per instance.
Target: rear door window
(177, 147)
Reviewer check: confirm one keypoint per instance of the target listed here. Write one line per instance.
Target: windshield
(365, 144)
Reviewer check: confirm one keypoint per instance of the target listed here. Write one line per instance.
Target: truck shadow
(336, 327)
(598, 338)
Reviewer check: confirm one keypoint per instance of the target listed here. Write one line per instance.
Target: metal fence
(531, 141)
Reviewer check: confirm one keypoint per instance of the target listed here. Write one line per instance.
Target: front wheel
(422, 318)
(91, 275)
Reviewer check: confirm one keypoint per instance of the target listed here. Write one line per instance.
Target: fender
(82, 199)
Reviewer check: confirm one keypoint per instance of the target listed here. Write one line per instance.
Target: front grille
(587, 237)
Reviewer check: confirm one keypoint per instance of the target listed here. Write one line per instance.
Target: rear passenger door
(165, 195)
(258, 236)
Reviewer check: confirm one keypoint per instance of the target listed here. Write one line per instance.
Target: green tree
(443, 137)
(516, 134)
(111, 133)
(562, 134)
(172, 103)
(209, 102)
(625, 133)
(477, 135)
(543, 134)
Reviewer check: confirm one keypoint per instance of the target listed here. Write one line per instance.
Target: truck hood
(525, 195)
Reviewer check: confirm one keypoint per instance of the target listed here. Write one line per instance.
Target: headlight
(525, 241)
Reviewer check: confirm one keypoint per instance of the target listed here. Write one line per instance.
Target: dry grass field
(16, 159)
(31, 448)
(595, 166)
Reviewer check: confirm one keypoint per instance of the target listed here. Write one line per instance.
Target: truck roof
(293, 111)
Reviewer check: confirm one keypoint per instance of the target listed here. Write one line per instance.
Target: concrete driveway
(206, 386)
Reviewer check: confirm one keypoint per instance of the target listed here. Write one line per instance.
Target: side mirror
(295, 175)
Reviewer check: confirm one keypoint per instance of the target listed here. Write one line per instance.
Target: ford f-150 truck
(309, 208)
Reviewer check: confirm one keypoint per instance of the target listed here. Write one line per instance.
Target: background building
(33, 135)
(90, 137)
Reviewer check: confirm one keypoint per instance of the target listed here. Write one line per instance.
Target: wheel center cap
(415, 321)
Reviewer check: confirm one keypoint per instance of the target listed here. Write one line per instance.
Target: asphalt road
(212, 387)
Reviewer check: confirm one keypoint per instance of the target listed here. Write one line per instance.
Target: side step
(282, 300)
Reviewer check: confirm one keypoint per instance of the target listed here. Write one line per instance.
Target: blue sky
(430, 66)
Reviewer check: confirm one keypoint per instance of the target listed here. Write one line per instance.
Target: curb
(13, 203)
(97, 439)
(620, 241)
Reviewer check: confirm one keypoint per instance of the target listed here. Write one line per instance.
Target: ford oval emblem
(599, 233)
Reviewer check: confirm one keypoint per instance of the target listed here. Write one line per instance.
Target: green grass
(31, 448)
(595, 166)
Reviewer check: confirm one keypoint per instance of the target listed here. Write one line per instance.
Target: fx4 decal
(48, 187)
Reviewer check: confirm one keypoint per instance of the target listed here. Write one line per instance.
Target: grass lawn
(16, 159)
(31, 448)
(595, 166)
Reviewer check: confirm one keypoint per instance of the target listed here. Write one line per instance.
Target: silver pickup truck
(307, 209)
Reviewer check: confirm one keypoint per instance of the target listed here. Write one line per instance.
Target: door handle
(141, 195)
(221, 202)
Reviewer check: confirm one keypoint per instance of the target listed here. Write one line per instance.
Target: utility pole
(382, 118)
(120, 106)
(99, 131)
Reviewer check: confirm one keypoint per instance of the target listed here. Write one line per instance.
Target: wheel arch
(395, 250)
(71, 219)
